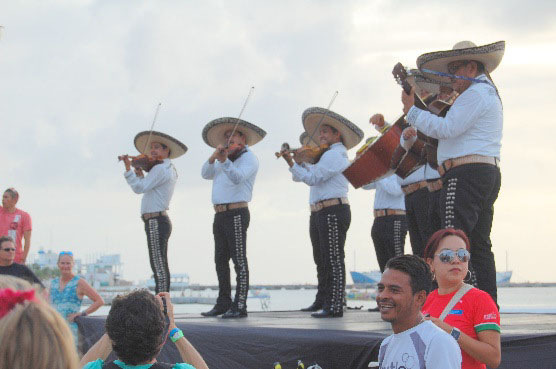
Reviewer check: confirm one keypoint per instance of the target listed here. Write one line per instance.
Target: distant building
(105, 271)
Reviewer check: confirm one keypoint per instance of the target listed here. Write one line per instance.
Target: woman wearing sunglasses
(68, 290)
(467, 313)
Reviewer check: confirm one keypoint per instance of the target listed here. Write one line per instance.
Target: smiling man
(157, 188)
(416, 342)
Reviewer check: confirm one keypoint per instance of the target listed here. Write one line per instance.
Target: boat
(373, 277)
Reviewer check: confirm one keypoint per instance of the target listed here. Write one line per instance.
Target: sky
(79, 79)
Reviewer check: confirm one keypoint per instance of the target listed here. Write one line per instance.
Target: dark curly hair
(136, 326)
(420, 276)
(434, 240)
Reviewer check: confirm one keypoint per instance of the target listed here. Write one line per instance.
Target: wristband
(173, 331)
(177, 335)
(84, 313)
(455, 333)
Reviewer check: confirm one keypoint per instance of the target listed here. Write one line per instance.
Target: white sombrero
(489, 55)
(351, 134)
(213, 133)
(305, 141)
(424, 84)
(143, 140)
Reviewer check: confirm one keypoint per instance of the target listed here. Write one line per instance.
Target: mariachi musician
(390, 225)
(232, 167)
(157, 187)
(330, 211)
(469, 146)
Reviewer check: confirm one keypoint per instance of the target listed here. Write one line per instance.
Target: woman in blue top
(67, 291)
(136, 330)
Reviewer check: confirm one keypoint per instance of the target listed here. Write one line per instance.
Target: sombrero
(489, 55)
(424, 84)
(213, 133)
(351, 134)
(305, 141)
(177, 148)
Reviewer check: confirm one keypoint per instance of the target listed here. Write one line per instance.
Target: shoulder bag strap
(462, 291)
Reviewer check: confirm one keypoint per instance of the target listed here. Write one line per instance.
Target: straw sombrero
(351, 134)
(142, 143)
(304, 140)
(213, 133)
(423, 83)
(490, 55)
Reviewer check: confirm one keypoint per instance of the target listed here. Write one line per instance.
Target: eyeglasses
(66, 253)
(453, 67)
(8, 249)
(448, 256)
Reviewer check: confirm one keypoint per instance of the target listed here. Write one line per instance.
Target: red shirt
(13, 225)
(475, 312)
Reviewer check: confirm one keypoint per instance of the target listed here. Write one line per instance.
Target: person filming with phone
(136, 329)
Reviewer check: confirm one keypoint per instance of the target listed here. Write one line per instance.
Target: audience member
(32, 334)
(416, 342)
(15, 223)
(7, 265)
(68, 290)
(136, 329)
(467, 313)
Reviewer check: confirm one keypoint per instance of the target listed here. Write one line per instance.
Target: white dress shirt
(157, 186)
(232, 181)
(325, 177)
(388, 194)
(473, 125)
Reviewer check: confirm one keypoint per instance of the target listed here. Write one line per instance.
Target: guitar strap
(457, 296)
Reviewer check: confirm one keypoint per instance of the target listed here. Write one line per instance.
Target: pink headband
(10, 298)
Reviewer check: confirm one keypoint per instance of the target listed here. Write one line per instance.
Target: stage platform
(256, 342)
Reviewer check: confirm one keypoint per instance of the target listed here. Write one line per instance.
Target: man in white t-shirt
(416, 343)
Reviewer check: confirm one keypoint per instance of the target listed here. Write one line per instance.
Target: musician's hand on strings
(127, 162)
(377, 120)
(287, 155)
(297, 158)
(408, 100)
(221, 153)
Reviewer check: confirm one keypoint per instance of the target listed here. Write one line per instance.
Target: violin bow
(322, 118)
(240, 114)
(152, 126)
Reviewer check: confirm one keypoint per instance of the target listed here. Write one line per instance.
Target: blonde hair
(15, 283)
(34, 335)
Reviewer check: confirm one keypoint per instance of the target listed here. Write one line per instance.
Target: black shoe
(214, 312)
(375, 309)
(314, 307)
(233, 314)
(325, 313)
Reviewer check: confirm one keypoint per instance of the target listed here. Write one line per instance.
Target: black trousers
(158, 230)
(434, 215)
(416, 209)
(467, 202)
(230, 242)
(388, 234)
(328, 230)
(318, 259)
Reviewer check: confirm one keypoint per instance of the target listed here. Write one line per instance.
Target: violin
(142, 161)
(304, 154)
(235, 150)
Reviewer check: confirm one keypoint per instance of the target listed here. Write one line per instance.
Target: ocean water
(511, 300)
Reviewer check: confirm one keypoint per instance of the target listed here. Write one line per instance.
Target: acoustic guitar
(412, 160)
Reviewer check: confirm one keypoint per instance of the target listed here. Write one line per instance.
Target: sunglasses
(448, 256)
(8, 249)
(66, 253)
